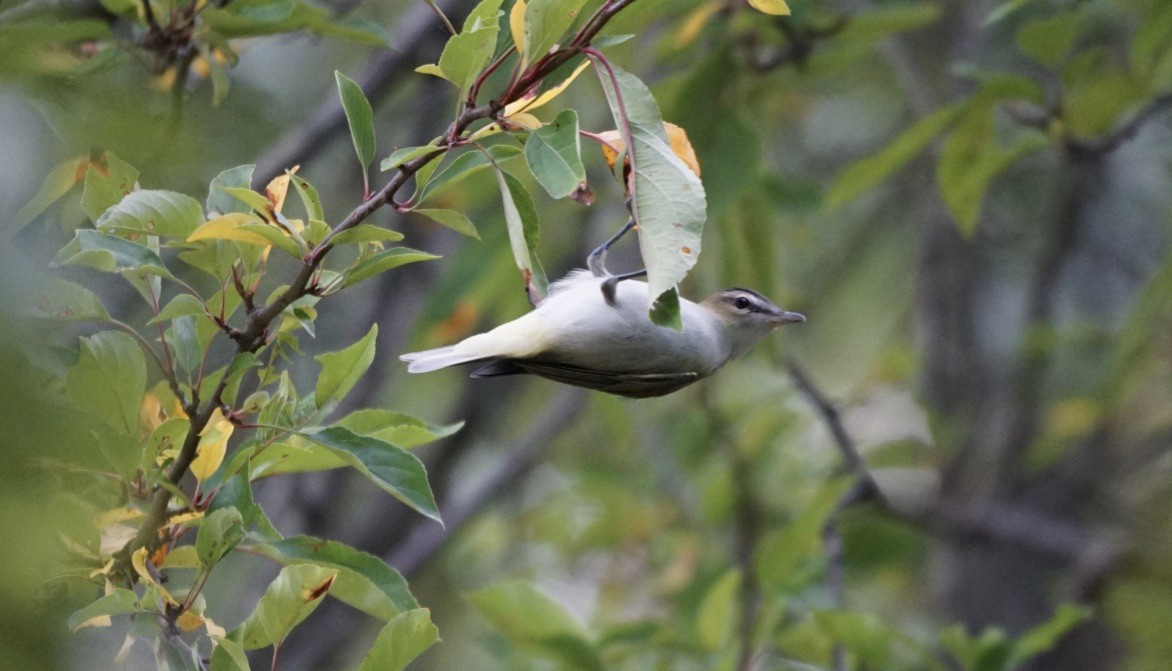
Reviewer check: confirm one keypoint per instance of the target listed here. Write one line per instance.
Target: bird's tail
(434, 359)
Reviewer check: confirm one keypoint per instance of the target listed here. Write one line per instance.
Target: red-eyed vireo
(578, 337)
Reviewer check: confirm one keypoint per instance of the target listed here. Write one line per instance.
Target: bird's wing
(634, 385)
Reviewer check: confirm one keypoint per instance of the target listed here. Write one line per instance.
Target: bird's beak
(783, 317)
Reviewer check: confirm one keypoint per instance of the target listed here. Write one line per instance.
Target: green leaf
(341, 370)
(466, 55)
(401, 156)
(60, 299)
(465, 165)
(119, 602)
(219, 76)
(534, 622)
(162, 213)
(360, 116)
(865, 174)
(665, 310)
(181, 306)
(864, 635)
(107, 253)
(780, 553)
(247, 19)
(384, 261)
(396, 471)
(364, 581)
(546, 21)
(716, 617)
(668, 198)
(1048, 40)
(883, 20)
(554, 154)
(970, 159)
(403, 639)
(109, 379)
(222, 530)
(367, 233)
(108, 180)
(184, 342)
(309, 198)
(451, 219)
(521, 219)
(220, 202)
(228, 655)
(236, 492)
(60, 181)
(240, 364)
(1046, 635)
(289, 599)
(396, 428)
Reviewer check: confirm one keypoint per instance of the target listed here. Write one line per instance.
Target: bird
(598, 335)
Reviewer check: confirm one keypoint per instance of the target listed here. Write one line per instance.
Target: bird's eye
(742, 303)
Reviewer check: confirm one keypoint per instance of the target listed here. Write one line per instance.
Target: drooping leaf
(554, 154)
(533, 621)
(290, 598)
(360, 116)
(384, 261)
(364, 581)
(341, 370)
(109, 379)
(213, 445)
(108, 253)
(521, 220)
(403, 639)
(396, 428)
(61, 299)
(668, 199)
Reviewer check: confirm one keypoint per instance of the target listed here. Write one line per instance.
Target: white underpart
(575, 326)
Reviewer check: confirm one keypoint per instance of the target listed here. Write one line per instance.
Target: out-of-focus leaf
(384, 261)
(396, 428)
(717, 615)
(364, 581)
(1047, 40)
(94, 249)
(290, 598)
(533, 621)
(60, 180)
(521, 219)
(883, 20)
(668, 198)
(1046, 635)
(554, 154)
(396, 471)
(109, 379)
(221, 531)
(360, 116)
(780, 553)
(403, 639)
(1097, 93)
(773, 7)
(451, 219)
(869, 172)
(285, 16)
(865, 636)
(341, 370)
(61, 299)
(108, 180)
(97, 614)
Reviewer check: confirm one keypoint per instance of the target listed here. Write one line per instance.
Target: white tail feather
(434, 359)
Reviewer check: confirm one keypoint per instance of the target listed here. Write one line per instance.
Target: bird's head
(747, 316)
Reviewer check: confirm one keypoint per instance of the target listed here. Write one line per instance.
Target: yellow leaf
(690, 28)
(517, 27)
(150, 413)
(114, 537)
(96, 621)
(681, 146)
(180, 519)
(525, 120)
(213, 444)
(213, 628)
(138, 561)
(774, 7)
(532, 103)
(189, 621)
(277, 189)
(1072, 418)
(114, 516)
(227, 227)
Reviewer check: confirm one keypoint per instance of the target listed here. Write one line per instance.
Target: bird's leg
(609, 284)
(596, 261)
